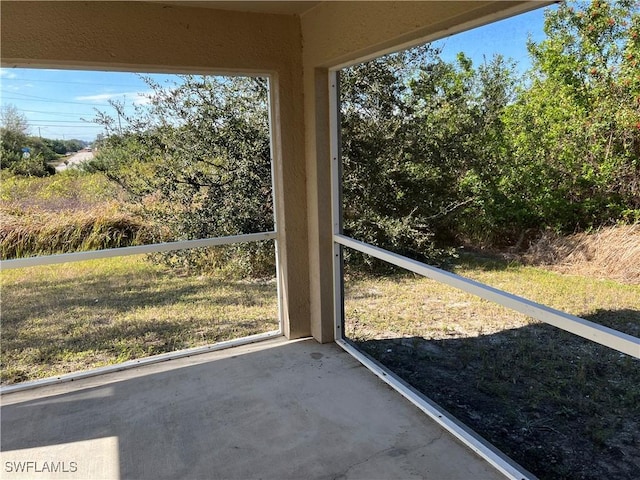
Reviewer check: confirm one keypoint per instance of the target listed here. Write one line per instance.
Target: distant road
(75, 159)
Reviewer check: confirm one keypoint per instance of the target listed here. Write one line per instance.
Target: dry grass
(67, 212)
(64, 318)
(406, 305)
(612, 252)
(64, 191)
(44, 233)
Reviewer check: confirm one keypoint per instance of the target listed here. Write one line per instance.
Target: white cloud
(138, 98)
(7, 73)
(142, 99)
(12, 87)
(101, 97)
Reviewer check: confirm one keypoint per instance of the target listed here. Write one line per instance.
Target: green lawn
(63, 318)
(413, 305)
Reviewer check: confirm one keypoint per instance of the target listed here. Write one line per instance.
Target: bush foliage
(436, 153)
(197, 159)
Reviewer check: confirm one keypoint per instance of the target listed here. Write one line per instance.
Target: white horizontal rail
(137, 250)
(609, 337)
(463, 433)
(139, 362)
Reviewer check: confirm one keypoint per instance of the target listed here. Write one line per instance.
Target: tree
(461, 142)
(11, 119)
(385, 180)
(575, 131)
(440, 152)
(73, 145)
(197, 157)
(13, 135)
(422, 150)
(13, 139)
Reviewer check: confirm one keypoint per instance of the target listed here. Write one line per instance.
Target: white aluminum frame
(606, 336)
(275, 188)
(139, 362)
(137, 250)
(471, 439)
(336, 202)
(168, 247)
(611, 338)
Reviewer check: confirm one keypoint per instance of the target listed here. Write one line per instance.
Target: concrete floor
(272, 410)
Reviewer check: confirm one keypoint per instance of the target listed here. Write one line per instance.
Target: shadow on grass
(480, 261)
(122, 293)
(561, 406)
(53, 327)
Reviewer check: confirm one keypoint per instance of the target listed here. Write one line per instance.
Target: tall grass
(612, 252)
(69, 190)
(67, 212)
(46, 233)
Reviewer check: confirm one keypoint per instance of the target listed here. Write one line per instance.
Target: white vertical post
(336, 202)
(272, 153)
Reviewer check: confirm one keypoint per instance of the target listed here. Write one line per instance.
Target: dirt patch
(562, 407)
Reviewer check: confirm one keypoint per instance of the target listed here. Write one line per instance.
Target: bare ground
(561, 406)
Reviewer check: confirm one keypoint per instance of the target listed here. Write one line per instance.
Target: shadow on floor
(560, 405)
(275, 409)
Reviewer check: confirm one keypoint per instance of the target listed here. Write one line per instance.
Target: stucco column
(291, 202)
(316, 83)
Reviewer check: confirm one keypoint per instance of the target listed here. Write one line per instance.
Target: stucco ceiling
(275, 7)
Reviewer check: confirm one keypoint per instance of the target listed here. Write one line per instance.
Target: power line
(65, 126)
(79, 122)
(49, 99)
(29, 96)
(58, 101)
(89, 84)
(61, 114)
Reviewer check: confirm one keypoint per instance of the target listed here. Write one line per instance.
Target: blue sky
(507, 37)
(55, 102)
